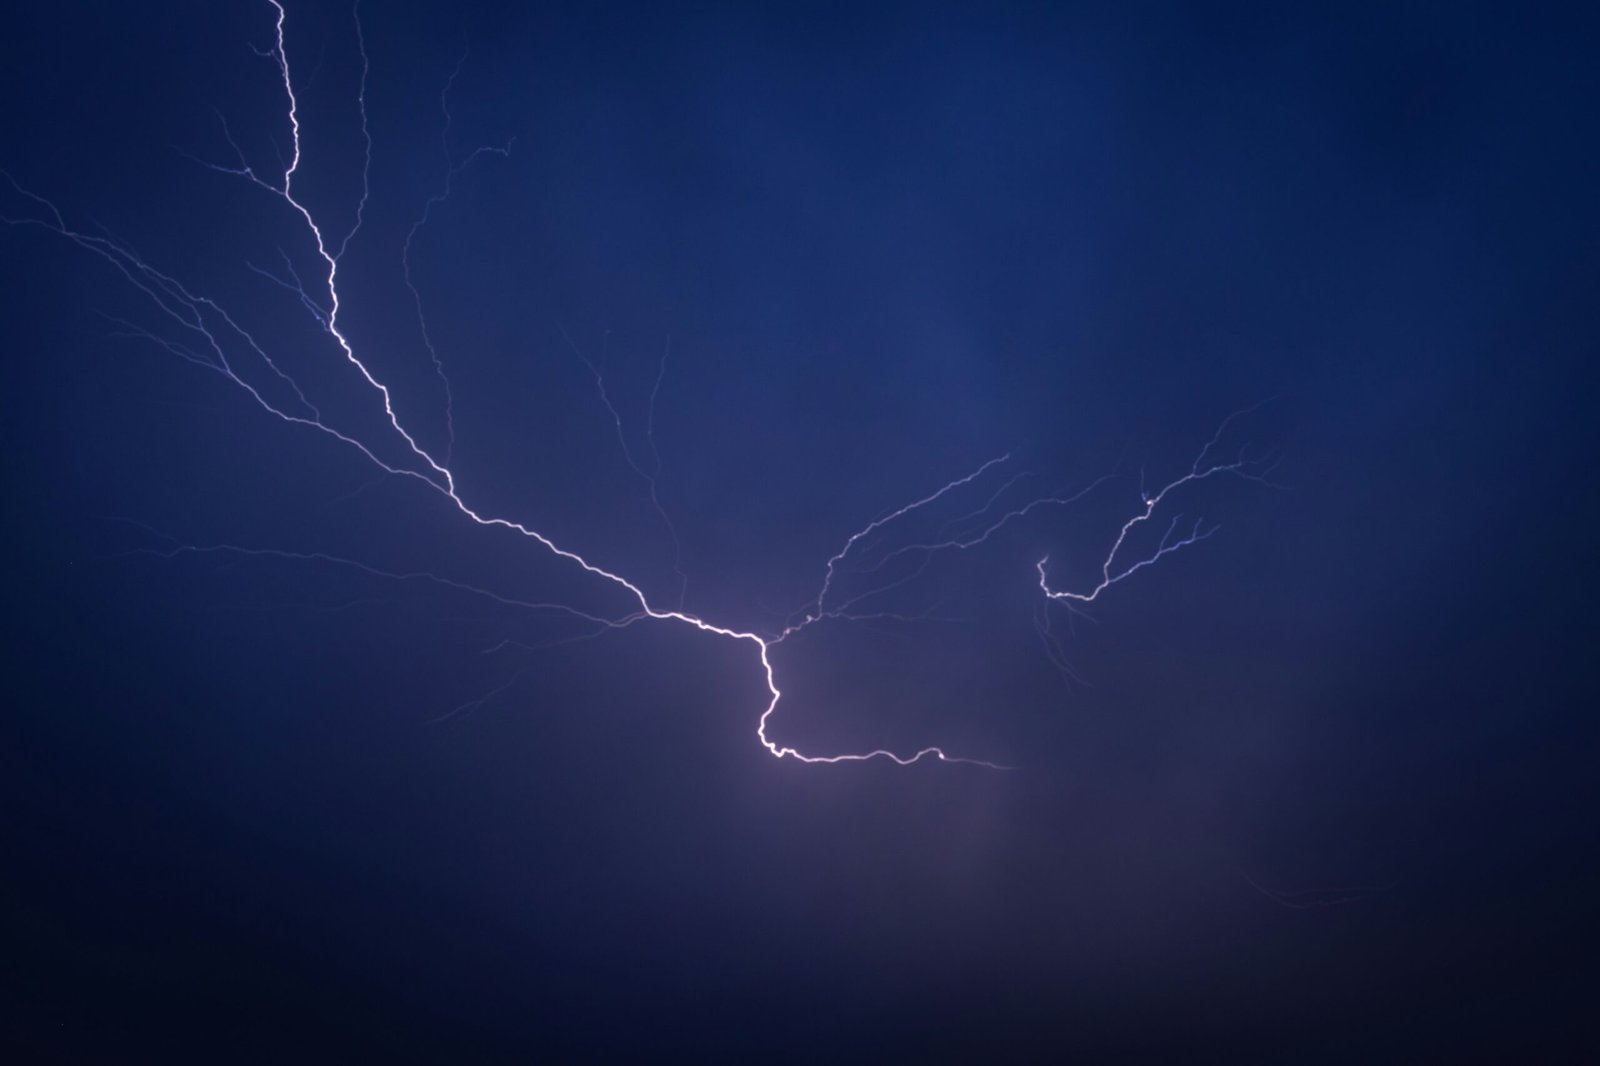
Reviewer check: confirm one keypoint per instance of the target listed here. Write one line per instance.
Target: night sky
(1320, 788)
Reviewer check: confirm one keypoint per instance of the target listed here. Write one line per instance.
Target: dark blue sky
(884, 245)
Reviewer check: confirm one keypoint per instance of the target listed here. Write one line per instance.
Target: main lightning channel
(443, 480)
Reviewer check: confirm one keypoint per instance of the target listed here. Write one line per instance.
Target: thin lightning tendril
(208, 332)
(649, 477)
(452, 169)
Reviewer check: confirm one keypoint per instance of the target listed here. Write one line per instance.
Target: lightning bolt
(200, 331)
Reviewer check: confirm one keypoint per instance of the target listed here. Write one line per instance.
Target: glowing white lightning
(205, 333)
